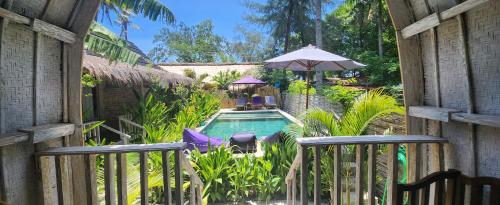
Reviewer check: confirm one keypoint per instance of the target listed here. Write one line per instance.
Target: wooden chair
(454, 193)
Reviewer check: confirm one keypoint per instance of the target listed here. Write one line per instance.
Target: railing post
(317, 175)
(90, 178)
(337, 161)
(179, 196)
(121, 172)
(167, 194)
(143, 158)
(392, 173)
(109, 180)
(359, 173)
(372, 160)
(303, 176)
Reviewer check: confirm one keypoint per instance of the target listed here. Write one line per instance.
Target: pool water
(262, 124)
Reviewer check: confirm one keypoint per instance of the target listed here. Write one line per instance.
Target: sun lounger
(241, 103)
(196, 140)
(270, 102)
(257, 102)
(243, 142)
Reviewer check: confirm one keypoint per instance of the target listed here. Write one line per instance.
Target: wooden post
(308, 85)
(84, 11)
(143, 158)
(121, 161)
(109, 180)
(167, 193)
(337, 175)
(372, 167)
(90, 178)
(359, 173)
(392, 173)
(317, 175)
(303, 177)
(179, 200)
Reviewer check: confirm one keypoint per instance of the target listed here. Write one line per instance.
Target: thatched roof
(125, 74)
(210, 68)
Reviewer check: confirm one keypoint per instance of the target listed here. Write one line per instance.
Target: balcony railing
(335, 144)
(58, 156)
(95, 128)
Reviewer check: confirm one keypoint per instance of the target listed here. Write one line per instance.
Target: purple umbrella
(248, 80)
(311, 58)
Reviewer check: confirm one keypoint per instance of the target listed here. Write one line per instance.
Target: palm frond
(366, 109)
(322, 122)
(150, 9)
(102, 41)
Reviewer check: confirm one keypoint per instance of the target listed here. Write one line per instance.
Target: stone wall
(295, 104)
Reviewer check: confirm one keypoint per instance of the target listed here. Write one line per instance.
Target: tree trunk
(380, 24)
(288, 25)
(319, 41)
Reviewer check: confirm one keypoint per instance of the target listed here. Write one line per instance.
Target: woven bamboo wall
(32, 88)
(466, 58)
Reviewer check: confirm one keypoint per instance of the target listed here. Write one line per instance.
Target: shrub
(300, 87)
(342, 94)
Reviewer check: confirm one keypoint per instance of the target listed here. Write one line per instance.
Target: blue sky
(225, 15)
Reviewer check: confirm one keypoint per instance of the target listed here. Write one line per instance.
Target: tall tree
(319, 39)
(190, 44)
(124, 21)
(289, 21)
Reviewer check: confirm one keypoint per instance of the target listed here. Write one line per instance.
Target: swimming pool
(261, 123)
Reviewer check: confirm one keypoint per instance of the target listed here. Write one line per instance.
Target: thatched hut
(115, 93)
(211, 69)
(449, 52)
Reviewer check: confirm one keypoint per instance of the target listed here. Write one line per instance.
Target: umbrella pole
(307, 87)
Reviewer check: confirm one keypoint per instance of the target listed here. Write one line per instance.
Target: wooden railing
(126, 125)
(57, 156)
(95, 132)
(334, 145)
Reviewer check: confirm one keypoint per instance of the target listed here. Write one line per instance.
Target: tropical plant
(344, 95)
(104, 42)
(150, 9)
(212, 169)
(365, 109)
(300, 87)
(224, 78)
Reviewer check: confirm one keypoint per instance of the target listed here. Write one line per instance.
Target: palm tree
(123, 20)
(150, 9)
(104, 42)
(366, 108)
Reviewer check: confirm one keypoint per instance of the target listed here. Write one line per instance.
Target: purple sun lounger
(241, 103)
(257, 102)
(270, 102)
(243, 142)
(200, 141)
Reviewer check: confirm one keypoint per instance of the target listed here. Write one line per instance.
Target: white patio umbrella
(309, 59)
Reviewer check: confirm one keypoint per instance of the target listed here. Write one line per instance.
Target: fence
(295, 104)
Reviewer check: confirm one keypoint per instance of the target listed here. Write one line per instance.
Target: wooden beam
(5, 13)
(53, 31)
(435, 19)
(13, 138)
(461, 8)
(369, 139)
(392, 173)
(112, 149)
(49, 131)
(422, 25)
(431, 113)
(487, 120)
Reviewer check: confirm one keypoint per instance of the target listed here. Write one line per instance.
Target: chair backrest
(241, 101)
(270, 100)
(449, 189)
(256, 100)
